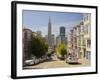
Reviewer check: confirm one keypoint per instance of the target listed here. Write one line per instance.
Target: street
(56, 63)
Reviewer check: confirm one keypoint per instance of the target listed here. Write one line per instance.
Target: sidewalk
(85, 62)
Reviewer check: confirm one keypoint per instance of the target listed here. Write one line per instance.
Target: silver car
(29, 62)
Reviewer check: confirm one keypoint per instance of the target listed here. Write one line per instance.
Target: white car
(37, 61)
(72, 59)
(29, 62)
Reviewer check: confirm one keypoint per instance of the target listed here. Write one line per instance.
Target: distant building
(50, 33)
(61, 38)
(46, 38)
(62, 31)
(39, 33)
(53, 40)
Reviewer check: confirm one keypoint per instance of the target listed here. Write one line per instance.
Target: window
(86, 29)
(88, 43)
(89, 28)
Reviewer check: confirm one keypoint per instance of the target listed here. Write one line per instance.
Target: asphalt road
(56, 63)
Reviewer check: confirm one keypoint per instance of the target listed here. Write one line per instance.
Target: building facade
(53, 40)
(80, 38)
(27, 38)
(87, 35)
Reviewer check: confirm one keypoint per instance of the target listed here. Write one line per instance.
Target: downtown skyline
(38, 21)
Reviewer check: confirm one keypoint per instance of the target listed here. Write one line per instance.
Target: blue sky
(38, 20)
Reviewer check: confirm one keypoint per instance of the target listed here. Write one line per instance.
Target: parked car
(29, 62)
(37, 61)
(72, 58)
(40, 60)
(43, 58)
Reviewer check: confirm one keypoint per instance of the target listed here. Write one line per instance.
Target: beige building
(80, 38)
(87, 35)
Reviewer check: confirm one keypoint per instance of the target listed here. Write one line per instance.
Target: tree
(38, 46)
(61, 50)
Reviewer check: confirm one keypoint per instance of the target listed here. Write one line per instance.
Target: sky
(38, 20)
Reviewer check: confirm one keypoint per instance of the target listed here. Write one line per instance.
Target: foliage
(38, 46)
(61, 50)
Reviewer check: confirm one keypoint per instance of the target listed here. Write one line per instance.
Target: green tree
(38, 46)
(61, 50)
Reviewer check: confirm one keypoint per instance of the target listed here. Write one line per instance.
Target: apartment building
(80, 38)
(87, 35)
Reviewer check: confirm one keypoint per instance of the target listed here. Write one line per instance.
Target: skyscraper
(61, 38)
(53, 40)
(49, 33)
(62, 31)
(62, 34)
